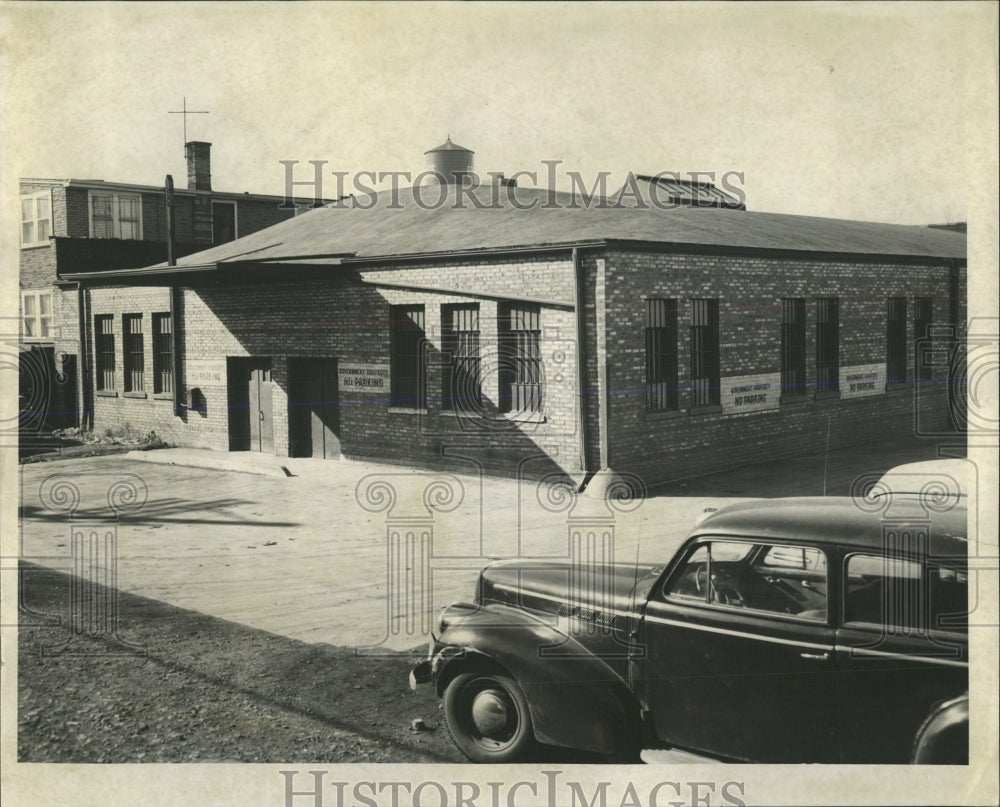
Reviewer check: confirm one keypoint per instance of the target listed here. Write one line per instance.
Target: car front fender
(575, 699)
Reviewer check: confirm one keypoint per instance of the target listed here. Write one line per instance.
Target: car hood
(568, 589)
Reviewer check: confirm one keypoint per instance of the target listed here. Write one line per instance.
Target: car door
(901, 649)
(736, 665)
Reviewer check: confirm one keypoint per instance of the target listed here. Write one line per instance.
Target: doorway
(251, 415)
(313, 408)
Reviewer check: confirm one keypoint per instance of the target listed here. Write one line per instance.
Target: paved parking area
(353, 554)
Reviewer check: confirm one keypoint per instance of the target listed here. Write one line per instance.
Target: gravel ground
(204, 689)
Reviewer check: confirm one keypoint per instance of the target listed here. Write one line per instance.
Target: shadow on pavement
(813, 475)
(177, 686)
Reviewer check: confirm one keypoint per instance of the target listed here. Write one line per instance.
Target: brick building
(80, 225)
(521, 331)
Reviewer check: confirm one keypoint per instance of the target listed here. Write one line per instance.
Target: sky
(864, 111)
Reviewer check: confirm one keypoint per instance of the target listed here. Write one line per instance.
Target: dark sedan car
(791, 630)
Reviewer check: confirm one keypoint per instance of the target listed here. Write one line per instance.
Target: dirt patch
(71, 443)
(177, 686)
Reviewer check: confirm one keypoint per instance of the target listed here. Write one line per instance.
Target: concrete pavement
(358, 554)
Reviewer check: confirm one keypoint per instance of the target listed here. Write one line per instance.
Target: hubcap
(491, 714)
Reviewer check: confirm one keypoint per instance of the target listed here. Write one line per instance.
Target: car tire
(488, 717)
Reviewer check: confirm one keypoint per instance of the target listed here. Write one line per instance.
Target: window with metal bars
(793, 347)
(104, 348)
(520, 373)
(705, 352)
(895, 339)
(923, 318)
(661, 355)
(406, 345)
(460, 344)
(133, 352)
(827, 345)
(163, 354)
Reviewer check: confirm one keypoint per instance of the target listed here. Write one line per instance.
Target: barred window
(104, 348)
(460, 343)
(827, 344)
(793, 347)
(661, 355)
(163, 353)
(406, 345)
(705, 352)
(520, 358)
(133, 352)
(923, 318)
(895, 340)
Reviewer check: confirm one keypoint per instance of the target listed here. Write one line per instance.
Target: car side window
(781, 579)
(690, 582)
(905, 595)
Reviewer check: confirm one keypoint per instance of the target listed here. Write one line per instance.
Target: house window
(134, 359)
(105, 351)
(115, 215)
(827, 345)
(923, 317)
(163, 354)
(661, 355)
(705, 352)
(406, 337)
(36, 219)
(520, 358)
(460, 343)
(223, 222)
(895, 340)
(793, 347)
(36, 311)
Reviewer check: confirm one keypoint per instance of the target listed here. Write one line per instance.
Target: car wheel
(488, 717)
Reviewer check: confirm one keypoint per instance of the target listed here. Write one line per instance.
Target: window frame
(827, 346)
(163, 357)
(706, 361)
(41, 324)
(236, 219)
(407, 349)
(115, 217)
(924, 569)
(793, 348)
(521, 377)
(923, 345)
(35, 219)
(133, 354)
(759, 549)
(463, 358)
(662, 366)
(104, 353)
(895, 341)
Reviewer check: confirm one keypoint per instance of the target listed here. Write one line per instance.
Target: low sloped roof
(412, 222)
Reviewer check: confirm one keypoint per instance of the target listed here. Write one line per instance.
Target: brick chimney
(199, 165)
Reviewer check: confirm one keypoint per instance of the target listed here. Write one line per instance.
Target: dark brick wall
(343, 318)
(349, 321)
(750, 290)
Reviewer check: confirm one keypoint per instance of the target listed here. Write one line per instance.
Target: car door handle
(816, 656)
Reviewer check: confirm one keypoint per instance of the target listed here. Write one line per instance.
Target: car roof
(945, 477)
(861, 523)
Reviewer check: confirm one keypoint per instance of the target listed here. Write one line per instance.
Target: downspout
(174, 297)
(82, 376)
(581, 365)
